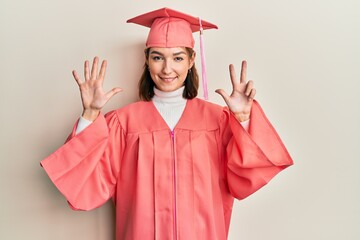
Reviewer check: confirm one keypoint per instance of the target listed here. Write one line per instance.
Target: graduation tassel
(203, 63)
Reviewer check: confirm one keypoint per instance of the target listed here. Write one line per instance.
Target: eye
(156, 58)
(178, 59)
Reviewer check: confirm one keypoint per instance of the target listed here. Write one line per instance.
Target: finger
(86, 70)
(252, 94)
(103, 70)
(94, 68)
(112, 92)
(232, 75)
(243, 72)
(224, 95)
(249, 87)
(76, 77)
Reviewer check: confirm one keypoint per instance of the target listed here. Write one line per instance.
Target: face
(169, 67)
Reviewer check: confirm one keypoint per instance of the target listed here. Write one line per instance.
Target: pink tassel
(203, 63)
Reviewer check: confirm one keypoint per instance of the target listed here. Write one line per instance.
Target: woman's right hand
(92, 93)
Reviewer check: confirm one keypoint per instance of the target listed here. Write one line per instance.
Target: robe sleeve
(86, 167)
(253, 158)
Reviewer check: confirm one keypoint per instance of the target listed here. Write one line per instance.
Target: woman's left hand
(242, 96)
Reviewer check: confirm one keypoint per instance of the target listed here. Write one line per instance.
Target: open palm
(241, 98)
(93, 96)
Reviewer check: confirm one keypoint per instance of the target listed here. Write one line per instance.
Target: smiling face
(169, 67)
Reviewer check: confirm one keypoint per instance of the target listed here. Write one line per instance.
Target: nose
(167, 68)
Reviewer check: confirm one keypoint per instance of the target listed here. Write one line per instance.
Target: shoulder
(210, 113)
(133, 108)
(206, 107)
(137, 117)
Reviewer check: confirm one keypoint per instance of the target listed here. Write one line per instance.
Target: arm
(86, 167)
(253, 157)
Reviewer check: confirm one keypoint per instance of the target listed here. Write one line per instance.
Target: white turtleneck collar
(169, 97)
(170, 105)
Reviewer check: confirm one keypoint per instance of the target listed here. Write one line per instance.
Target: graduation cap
(170, 28)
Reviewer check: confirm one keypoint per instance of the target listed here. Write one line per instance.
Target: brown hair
(146, 84)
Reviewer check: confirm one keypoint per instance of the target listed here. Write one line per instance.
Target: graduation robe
(168, 185)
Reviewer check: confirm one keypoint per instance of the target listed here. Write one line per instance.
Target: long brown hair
(146, 84)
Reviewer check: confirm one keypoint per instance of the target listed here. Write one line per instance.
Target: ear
(146, 58)
(192, 60)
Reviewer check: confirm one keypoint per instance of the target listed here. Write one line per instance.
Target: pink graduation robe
(168, 185)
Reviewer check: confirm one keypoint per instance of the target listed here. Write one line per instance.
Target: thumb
(112, 92)
(223, 94)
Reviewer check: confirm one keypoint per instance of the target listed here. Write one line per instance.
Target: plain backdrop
(302, 55)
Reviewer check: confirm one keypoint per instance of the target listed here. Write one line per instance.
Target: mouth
(168, 79)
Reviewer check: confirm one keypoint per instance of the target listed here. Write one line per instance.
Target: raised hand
(242, 96)
(92, 93)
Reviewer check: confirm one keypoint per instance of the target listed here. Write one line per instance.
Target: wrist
(90, 114)
(242, 117)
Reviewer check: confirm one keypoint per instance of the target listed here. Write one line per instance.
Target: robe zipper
(174, 180)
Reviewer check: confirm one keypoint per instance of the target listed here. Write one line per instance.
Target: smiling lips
(168, 79)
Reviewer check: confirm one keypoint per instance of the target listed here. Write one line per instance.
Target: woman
(172, 163)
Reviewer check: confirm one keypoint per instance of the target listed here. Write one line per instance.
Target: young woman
(172, 163)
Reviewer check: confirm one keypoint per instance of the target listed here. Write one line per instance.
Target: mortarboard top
(170, 28)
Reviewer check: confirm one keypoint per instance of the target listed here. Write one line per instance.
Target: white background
(302, 55)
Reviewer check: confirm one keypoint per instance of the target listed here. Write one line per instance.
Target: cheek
(183, 69)
(154, 69)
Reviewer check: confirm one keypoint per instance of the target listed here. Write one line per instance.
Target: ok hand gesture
(93, 96)
(241, 98)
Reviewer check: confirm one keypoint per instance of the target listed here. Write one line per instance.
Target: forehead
(168, 51)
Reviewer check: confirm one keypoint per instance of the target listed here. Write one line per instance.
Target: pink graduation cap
(170, 28)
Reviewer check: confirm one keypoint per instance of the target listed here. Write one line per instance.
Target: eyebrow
(175, 54)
